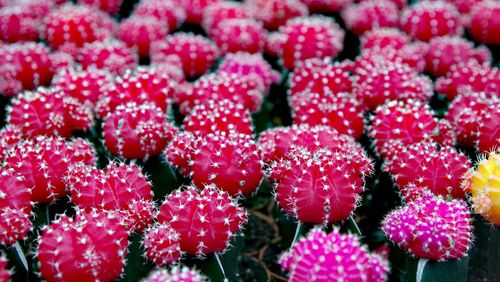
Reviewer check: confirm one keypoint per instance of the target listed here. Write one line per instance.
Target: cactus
(205, 220)
(325, 257)
(175, 274)
(483, 25)
(362, 17)
(161, 243)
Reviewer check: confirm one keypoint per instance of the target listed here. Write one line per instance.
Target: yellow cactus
(484, 185)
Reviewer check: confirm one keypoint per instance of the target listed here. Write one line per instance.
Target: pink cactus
(44, 161)
(176, 274)
(220, 11)
(407, 122)
(140, 32)
(333, 257)
(446, 51)
(318, 187)
(166, 11)
(49, 112)
(470, 75)
(231, 162)
(90, 247)
(205, 220)
(247, 64)
(9, 136)
(137, 131)
(412, 55)
(321, 76)
(367, 15)
(75, 25)
(197, 53)
(245, 90)
(388, 81)
(120, 188)
(109, 6)
(218, 117)
(16, 205)
(275, 13)
(111, 55)
(178, 152)
(339, 111)
(84, 85)
(439, 170)
(430, 227)
(381, 38)
(18, 25)
(428, 19)
(329, 6)
(162, 244)
(24, 66)
(143, 85)
(488, 138)
(310, 37)
(5, 273)
(235, 35)
(484, 24)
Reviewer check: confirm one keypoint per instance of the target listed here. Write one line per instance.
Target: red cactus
(430, 227)
(178, 152)
(194, 9)
(205, 220)
(197, 53)
(230, 162)
(381, 38)
(247, 64)
(317, 186)
(388, 81)
(333, 257)
(9, 136)
(408, 122)
(90, 247)
(48, 112)
(441, 171)
(234, 35)
(17, 24)
(75, 25)
(275, 13)
(140, 32)
(86, 85)
(162, 244)
(61, 61)
(362, 17)
(137, 131)
(109, 6)
(276, 143)
(176, 274)
(165, 11)
(111, 55)
(329, 6)
(321, 76)
(340, 111)
(217, 117)
(274, 43)
(143, 85)
(472, 76)
(428, 19)
(28, 64)
(15, 204)
(484, 24)
(171, 67)
(240, 89)
(488, 138)
(310, 37)
(4, 272)
(412, 55)
(44, 161)
(446, 51)
(464, 114)
(120, 188)
(220, 11)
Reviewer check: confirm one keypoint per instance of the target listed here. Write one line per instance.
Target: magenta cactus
(15, 204)
(121, 188)
(431, 227)
(5, 273)
(175, 274)
(325, 257)
(205, 220)
(90, 247)
(231, 162)
(162, 244)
